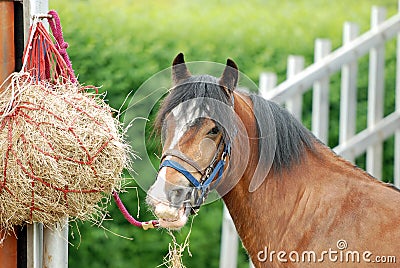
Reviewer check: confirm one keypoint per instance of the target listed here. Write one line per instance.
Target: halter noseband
(203, 187)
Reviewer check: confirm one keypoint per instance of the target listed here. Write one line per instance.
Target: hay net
(61, 150)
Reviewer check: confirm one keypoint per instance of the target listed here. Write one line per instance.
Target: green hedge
(119, 44)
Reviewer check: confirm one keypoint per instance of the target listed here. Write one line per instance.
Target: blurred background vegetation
(121, 43)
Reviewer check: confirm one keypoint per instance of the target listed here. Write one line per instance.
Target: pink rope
(56, 29)
(128, 217)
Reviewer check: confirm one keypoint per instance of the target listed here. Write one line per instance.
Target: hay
(61, 153)
(173, 259)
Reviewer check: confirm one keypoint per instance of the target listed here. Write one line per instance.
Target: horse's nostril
(178, 192)
(177, 196)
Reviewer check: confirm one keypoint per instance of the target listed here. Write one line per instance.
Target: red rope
(145, 225)
(56, 29)
(44, 62)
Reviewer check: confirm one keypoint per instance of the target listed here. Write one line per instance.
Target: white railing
(345, 58)
(316, 77)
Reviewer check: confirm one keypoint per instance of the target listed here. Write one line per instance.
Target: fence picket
(348, 91)
(229, 242)
(295, 103)
(320, 109)
(267, 82)
(376, 85)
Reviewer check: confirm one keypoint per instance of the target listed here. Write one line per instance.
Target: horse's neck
(316, 203)
(284, 201)
(283, 211)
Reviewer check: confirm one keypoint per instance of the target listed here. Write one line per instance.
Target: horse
(293, 201)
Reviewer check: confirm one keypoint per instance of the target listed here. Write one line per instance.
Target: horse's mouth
(178, 222)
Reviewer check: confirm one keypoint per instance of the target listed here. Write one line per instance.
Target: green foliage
(119, 44)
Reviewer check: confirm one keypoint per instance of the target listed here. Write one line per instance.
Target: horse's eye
(213, 131)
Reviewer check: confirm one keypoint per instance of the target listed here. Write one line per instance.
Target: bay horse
(294, 202)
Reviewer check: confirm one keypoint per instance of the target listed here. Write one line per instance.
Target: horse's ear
(229, 78)
(179, 69)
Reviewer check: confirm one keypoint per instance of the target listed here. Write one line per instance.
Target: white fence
(316, 77)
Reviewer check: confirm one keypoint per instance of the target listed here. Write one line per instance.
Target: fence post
(320, 109)
(397, 133)
(376, 85)
(348, 91)
(229, 242)
(295, 104)
(268, 81)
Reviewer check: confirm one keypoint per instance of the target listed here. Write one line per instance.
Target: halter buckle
(208, 172)
(223, 156)
(226, 152)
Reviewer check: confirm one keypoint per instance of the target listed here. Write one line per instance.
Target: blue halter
(203, 186)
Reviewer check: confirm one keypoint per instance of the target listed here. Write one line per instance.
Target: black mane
(292, 138)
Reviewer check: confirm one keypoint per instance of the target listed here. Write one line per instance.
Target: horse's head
(196, 141)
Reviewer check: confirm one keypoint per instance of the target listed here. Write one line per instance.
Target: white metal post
(295, 103)
(55, 245)
(34, 240)
(348, 91)
(320, 110)
(34, 231)
(53, 251)
(376, 86)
